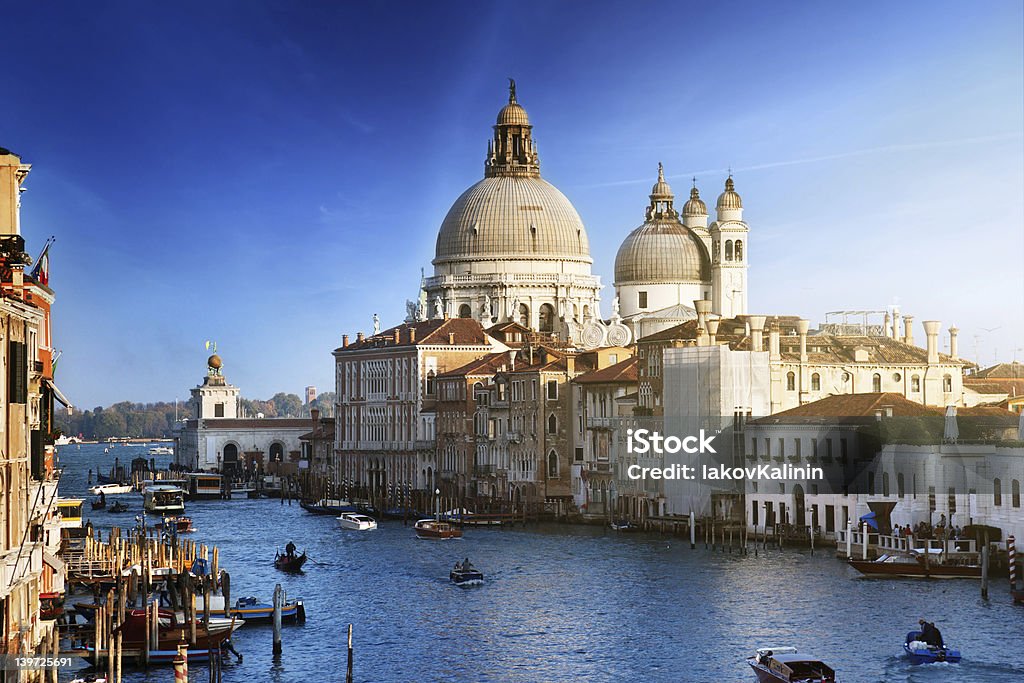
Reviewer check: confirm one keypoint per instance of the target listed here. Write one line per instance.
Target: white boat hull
(357, 522)
(110, 489)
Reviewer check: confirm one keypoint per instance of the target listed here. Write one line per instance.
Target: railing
(484, 470)
(888, 543)
(18, 564)
(602, 422)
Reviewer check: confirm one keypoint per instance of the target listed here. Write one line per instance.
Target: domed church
(666, 264)
(512, 247)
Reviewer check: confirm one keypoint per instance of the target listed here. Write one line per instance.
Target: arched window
(915, 383)
(714, 250)
(465, 311)
(900, 485)
(815, 382)
(1015, 493)
(552, 424)
(947, 384)
(876, 383)
(552, 465)
(997, 492)
(430, 383)
(790, 381)
(547, 318)
(885, 484)
(739, 250)
(728, 250)
(524, 315)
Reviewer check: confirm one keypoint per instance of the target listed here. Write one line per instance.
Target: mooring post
(277, 621)
(181, 665)
(864, 542)
(811, 532)
(984, 567)
(693, 532)
(348, 675)
(1011, 556)
(849, 540)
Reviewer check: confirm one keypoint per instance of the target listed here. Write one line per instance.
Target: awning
(53, 561)
(57, 393)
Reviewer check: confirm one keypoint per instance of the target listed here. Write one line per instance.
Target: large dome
(661, 251)
(512, 217)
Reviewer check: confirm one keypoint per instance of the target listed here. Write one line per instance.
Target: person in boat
(930, 634)
(466, 564)
(103, 498)
(289, 549)
(458, 567)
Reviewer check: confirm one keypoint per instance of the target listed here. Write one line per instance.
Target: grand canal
(566, 603)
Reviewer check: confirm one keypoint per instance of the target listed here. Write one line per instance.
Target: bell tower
(729, 255)
(215, 398)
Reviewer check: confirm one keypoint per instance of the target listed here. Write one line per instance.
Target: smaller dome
(729, 199)
(695, 206)
(661, 189)
(513, 114)
(214, 362)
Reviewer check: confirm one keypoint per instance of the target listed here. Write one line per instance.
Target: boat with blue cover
(920, 652)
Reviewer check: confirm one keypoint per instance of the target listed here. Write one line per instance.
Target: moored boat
(914, 566)
(435, 530)
(164, 498)
(356, 522)
(70, 510)
(118, 507)
(786, 665)
(624, 525)
(290, 563)
(252, 610)
(328, 506)
(920, 652)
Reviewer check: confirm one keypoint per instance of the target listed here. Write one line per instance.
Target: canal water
(566, 603)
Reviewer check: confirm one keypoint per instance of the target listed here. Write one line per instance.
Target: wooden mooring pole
(348, 675)
(277, 621)
(984, 567)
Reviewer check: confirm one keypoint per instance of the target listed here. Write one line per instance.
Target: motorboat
(170, 632)
(465, 574)
(938, 566)
(252, 609)
(328, 506)
(357, 522)
(181, 525)
(920, 652)
(434, 530)
(290, 563)
(161, 450)
(113, 489)
(624, 525)
(786, 665)
(164, 498)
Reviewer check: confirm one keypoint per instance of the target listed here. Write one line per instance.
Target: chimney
(931, 331)
(451, 339)
(314, 414)
(954, 347)
(773, 342)
(512, 359)
(895, 322)
(398, 335)
(570, 364)
(756, 332)
(712, 330)
(801, 327)
(908, 329)
(359, 337)
(888, 326)
(344, 340)
(703, 307)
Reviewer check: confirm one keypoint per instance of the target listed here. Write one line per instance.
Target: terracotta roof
(622, 372)
(485, 365)
(1014, 370)
(465, 331)
(323, 430)
(867, 405)
(1013, 387)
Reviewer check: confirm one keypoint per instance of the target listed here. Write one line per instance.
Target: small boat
(243, 489)
(624, 525)
(161, 450)
(182, 525)
(51, 605)
(110, 489)
(290, 563)
(357, 522)
(433, 530)
(253, 610)
(164, 498)
(118, 507)
(913, 566)
(465, 574)
(328, 506)
(920, 652)
(99, 504)
(785, 665)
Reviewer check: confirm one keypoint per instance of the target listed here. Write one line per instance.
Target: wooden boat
(913, 566)
(356, 522)
(182, 525)
(171, 632)
(252, 610)
(465, 574)
(920, 652)
(118, 507)
(785, 665)
(290, 563)
(98, 504)
(435, 530)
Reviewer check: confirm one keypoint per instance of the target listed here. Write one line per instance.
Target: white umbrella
(952, 432)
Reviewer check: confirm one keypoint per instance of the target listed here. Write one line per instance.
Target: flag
(41, 272)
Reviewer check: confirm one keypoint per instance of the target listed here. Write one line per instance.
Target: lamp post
(437, 504)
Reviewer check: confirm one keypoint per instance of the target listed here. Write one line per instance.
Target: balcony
(599, 467)
(16, 567)
(605, 423)
(484, 470)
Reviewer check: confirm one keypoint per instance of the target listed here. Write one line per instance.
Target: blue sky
(269, 175)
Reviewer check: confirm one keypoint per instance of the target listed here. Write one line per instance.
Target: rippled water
(566, 603)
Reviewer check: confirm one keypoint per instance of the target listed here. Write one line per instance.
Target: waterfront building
(386, 385)
(883, 448)
(317, 445)
(30, 528)
(1001, 383)
(216, 438)
(667, 263)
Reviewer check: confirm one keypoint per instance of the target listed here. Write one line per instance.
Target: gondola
(99, 504)
(118, 507)
(290, 563)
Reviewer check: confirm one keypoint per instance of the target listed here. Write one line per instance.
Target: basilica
(514, 249)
